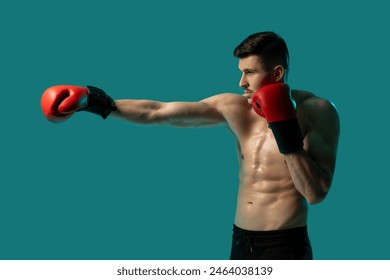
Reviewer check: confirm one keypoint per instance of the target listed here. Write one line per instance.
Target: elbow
(317, 197)
(158, 114)
(152, 116)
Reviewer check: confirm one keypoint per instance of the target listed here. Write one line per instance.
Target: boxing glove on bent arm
(275, 103)
(60, 102)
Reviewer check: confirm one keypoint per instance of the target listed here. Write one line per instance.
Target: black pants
(288, 244)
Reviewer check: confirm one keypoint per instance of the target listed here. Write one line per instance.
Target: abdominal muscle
(262, 210)
(267, 198)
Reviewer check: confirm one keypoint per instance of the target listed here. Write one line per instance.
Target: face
(253, 76)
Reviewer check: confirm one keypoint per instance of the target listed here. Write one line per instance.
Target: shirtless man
(286, 154)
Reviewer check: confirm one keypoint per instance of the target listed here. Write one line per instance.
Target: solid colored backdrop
(94, 189)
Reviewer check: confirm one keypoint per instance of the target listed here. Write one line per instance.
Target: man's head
(264, 59)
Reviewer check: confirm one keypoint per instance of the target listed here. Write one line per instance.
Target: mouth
(248, 96)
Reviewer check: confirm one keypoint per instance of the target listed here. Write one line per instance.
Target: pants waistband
(282, 233)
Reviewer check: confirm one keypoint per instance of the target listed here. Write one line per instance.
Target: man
(287, 142)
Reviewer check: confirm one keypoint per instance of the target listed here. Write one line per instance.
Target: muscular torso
(267, 198)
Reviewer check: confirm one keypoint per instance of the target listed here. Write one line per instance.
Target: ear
(278, 73)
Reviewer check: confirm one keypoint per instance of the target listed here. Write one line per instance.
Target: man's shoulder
(226, 99)
(227, 96)
(315, 110)
(308, 101)
(233, 107)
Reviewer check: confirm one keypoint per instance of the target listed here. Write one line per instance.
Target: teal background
(93, 189)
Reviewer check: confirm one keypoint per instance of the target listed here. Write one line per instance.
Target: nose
(243, 81)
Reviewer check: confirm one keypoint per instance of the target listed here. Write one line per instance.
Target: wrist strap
(99, 102)
(288, 135)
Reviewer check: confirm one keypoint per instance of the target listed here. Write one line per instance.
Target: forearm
(308, 177)
(137, 111)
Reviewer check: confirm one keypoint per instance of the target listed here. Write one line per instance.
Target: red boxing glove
(275, 103)
(60, 102)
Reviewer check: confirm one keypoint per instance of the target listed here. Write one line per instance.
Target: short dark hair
(269, 46)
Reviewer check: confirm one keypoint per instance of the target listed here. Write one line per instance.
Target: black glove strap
(288, 135)
(99, 102)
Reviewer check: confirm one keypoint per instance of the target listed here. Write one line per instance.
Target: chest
(255, 141)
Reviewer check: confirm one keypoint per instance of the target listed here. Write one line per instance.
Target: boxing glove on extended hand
(275, 103)
(60, 102)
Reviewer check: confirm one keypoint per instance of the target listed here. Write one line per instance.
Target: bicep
(185, 114)
(321, 140)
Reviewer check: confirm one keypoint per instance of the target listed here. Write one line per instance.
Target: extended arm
(60, 102)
